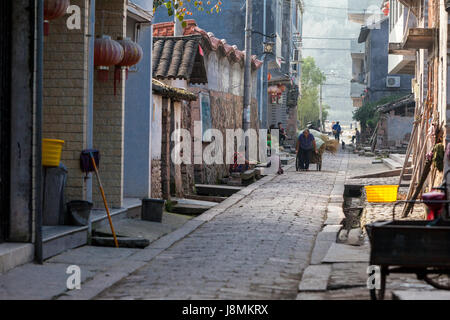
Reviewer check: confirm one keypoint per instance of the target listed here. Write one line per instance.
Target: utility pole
(322, 127)
(248, 70)
(177, 27)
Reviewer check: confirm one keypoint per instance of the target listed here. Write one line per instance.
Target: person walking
(283, 134)
(306, 144)
(355, 138)
(337, 131)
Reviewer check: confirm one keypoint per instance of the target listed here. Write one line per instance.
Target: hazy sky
(328, 18)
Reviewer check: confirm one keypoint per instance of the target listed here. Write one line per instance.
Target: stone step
(420, 295)
(15, 254)
(392, 164)
(206, 198)
(248, 175)
(315, 278)
(345, 253)
(383, 174)
(131, 209)
(191, 207)
(287, 160)
(57, 239)
(400, 158)
(136, 228)
(216, 190)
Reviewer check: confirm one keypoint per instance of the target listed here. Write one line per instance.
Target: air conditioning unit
(393, 82)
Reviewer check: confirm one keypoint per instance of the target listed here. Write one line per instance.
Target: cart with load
(323, 144)
(418, 247)
(316, 158)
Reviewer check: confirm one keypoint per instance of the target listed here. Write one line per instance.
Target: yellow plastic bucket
(51, 152)
(381, 193)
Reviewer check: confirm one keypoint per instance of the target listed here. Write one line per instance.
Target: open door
(5, 108)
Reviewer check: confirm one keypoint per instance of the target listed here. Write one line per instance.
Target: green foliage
(169, 206)
(368, 116)
(308, 105)
(438, 156)
(312, 76)
(180, 8)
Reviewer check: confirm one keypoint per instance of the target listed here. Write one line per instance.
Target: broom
(104, 199)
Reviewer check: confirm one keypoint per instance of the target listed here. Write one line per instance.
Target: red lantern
(281, 88)
(386, 9)
(272, 90)
(54, 9)
(107, 53)
(132, 55)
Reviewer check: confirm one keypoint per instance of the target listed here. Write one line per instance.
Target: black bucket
(152, 209)
(80, 212)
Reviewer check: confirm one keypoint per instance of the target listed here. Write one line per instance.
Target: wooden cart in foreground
(420, 247)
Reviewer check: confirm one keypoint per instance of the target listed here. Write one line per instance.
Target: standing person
(282, 133)
(355, 138)
(337, 131)
(304, 148)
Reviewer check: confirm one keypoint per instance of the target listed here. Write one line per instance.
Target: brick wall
(65, 94)
(156, 179)
(109, 109)
(187, 170)
(165, 148)
(226, 113)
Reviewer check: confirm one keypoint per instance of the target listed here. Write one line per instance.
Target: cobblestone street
(256, 249)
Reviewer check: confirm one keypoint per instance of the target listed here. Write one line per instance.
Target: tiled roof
(406, 101)
(174, 93)
(209, 41)
(178, 58)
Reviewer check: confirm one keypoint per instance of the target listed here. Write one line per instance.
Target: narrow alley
(256, 249)
(225, 150)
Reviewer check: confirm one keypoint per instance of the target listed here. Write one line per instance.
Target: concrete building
(371, 79)
(358, 73)
(394, 125)
(379, 83)
(77, 108)
(17, 106)
(419, 46)
(281, 18)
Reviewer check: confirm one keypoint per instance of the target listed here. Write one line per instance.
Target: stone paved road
(256, 249)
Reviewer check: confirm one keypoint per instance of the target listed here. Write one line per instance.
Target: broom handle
(104, 200)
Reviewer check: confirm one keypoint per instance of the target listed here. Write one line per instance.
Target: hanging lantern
(272, 90)
(53, 9)
(281, 88)
(275, 93)
(132, 55)
(107, 53)
(385, 8)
